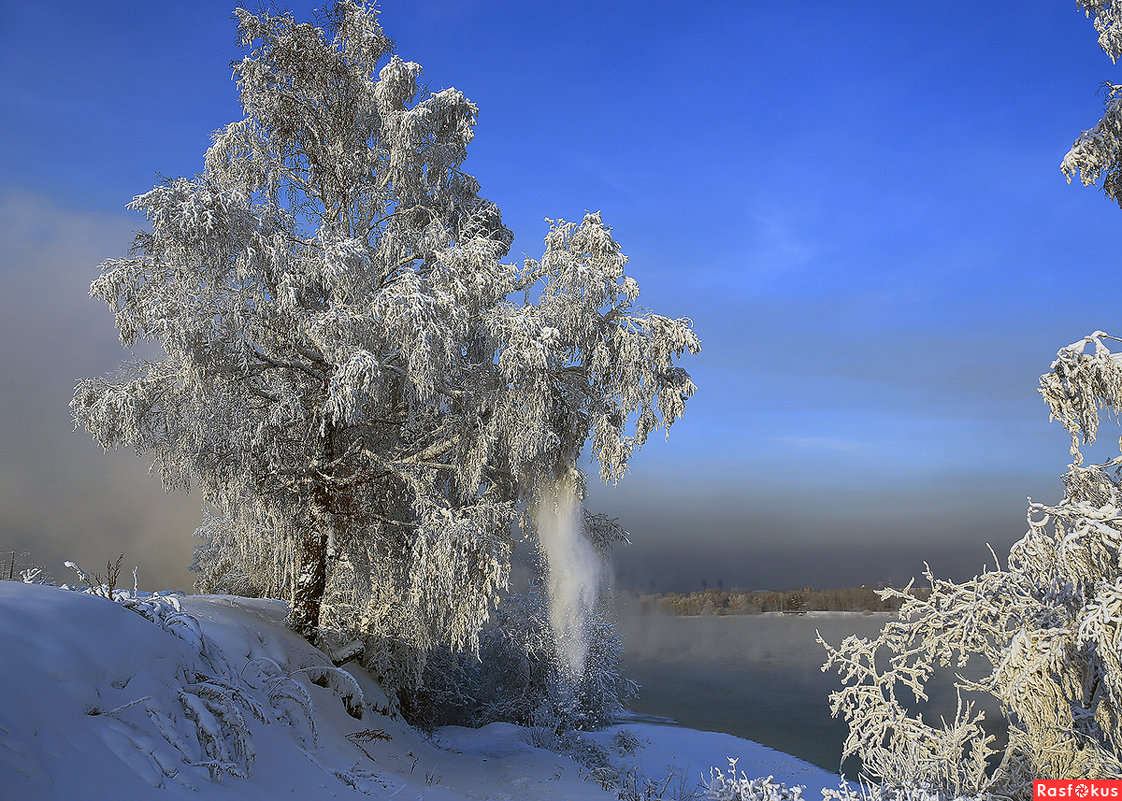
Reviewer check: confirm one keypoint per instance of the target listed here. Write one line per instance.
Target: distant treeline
(754, 602)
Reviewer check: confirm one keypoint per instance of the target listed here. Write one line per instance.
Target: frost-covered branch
(1044, 632)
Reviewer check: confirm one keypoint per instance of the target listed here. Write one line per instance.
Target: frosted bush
(730, 786)
(35, 575)
(625, 742)
(519, 676)
(870, 792)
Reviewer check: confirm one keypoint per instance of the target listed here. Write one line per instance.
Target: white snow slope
(211, 697)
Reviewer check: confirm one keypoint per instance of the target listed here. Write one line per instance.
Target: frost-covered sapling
(721, 786)
(366, 395)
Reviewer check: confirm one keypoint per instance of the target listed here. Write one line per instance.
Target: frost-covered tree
(366, 395)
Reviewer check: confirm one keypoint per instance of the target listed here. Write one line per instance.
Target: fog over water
(755, 676)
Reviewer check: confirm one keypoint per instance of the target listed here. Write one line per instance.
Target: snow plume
(573, 573)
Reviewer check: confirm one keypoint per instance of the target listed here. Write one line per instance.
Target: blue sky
(859, 205)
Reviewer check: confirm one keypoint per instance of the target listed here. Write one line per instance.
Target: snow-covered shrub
(104, 586)
(732, 787)
(220, 728)
(518, 676)
(625, 742)
(341, 683)
(721, 786)
(1046, 630)
(35, 575)
(871, 792)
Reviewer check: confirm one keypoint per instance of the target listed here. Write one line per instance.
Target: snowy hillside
(212, 697)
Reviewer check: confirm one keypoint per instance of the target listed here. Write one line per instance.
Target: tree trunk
(307, 596)
(311, 581)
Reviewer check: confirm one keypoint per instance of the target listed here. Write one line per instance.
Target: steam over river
(755, 676)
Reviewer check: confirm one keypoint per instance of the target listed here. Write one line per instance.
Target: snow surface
(98, 701)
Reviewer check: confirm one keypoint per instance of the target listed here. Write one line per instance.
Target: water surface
(755, 676)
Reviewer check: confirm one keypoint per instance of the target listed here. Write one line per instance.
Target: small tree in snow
(1047, 629)
(367, 396)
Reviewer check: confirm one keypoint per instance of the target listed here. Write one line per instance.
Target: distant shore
(804, 600)
(838, 613)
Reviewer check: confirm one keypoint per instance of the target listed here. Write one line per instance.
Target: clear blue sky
(859, 205)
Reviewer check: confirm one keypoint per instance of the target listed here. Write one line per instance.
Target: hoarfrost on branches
(731, 787)
(1045, 629)
(1096, 152)
(365, 394)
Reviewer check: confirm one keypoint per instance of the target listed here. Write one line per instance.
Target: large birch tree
(367, 396)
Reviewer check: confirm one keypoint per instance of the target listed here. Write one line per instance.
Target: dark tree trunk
(311, 581)
(307, 596)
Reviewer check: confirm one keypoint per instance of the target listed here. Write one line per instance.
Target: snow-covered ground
(212, 697)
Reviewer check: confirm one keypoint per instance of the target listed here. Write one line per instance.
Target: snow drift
(211, 696)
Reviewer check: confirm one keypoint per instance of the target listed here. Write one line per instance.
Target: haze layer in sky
(859, 205)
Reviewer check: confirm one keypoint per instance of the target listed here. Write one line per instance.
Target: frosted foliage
(737, 786)
(732, 787)
(1095, 153)
(1080, 384)
(365, 395)
(1045, 631)
(573, 567)
(521, 675)
(1107, 18)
